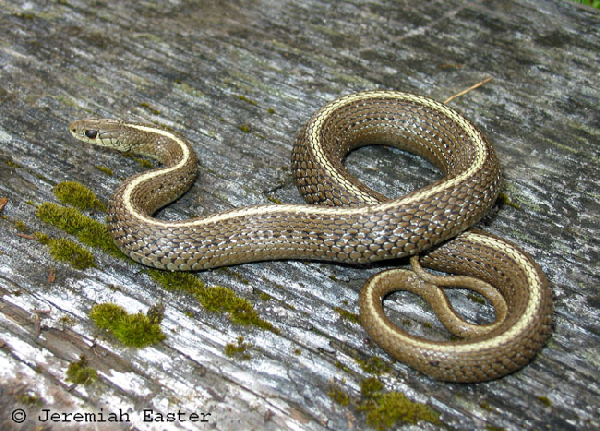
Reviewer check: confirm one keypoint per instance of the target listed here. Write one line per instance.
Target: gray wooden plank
(210, 70)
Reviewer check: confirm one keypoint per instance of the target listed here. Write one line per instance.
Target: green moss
(264, 296)
(545, 401)
(236, 275)
(176, 281)
(149, 108)
(107, 171)
(216, 299)
(222, 299)
(188, 89)
(65, 3)
(341, 366)
(65, 250)
(352, 317)
(247, 100)
(370, 387)
(20, 226)
(339, 396)
(12, 164)
(374, 365)
(384, 410)
(31, 399)
(485, 406)
(86, 229)
(476, 298)
(517, 200)
(132, 330)
(22, 15)
(80, 374)
(503, 199)
(297, 351)
(77, 195)
(493, 428)
(246, 128)
(156, 313)
(144, 163)
(66, 321)
(271, 111)
(273, 199)
(238, 350)
(392, 407)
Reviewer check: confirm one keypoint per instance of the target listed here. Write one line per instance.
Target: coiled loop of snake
(353, 224)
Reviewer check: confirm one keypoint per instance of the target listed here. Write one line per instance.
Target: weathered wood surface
(186, 64)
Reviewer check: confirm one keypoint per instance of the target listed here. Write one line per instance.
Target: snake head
(102, 132)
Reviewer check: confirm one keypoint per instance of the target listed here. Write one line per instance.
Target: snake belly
(348, 222)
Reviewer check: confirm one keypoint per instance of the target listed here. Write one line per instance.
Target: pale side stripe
(311, 209)
(532, 305)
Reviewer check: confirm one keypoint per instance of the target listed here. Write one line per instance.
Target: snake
(345, 221)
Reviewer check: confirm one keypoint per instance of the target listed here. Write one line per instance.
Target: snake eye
(91, 134)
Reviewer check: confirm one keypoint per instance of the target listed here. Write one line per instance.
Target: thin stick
(486, 80)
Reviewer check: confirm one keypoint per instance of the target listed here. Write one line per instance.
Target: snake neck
(145, 193)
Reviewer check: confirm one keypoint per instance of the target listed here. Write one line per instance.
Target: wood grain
(239, 79)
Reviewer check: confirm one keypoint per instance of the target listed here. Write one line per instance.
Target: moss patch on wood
(77, 195)
(247, 100)
(351, 317)
(31, 399)
(106, 170)
(545, 401)
(246, 128)
(132, 330)
(86, 229)
(66, 250)
(385, 410)
(238, 350)
(503, 199)
(79, 373)
(374, 365)
(338, 396)
(216, 299)
(226, 270)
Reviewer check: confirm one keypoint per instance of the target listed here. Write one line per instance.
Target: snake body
(351, 223)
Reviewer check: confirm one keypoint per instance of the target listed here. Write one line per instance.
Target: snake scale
(348, 222)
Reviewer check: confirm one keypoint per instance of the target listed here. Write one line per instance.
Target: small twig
(268, 415)
(51, 275)
(24, 235)
(38, 327)
(486, 80)
(3, 201)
